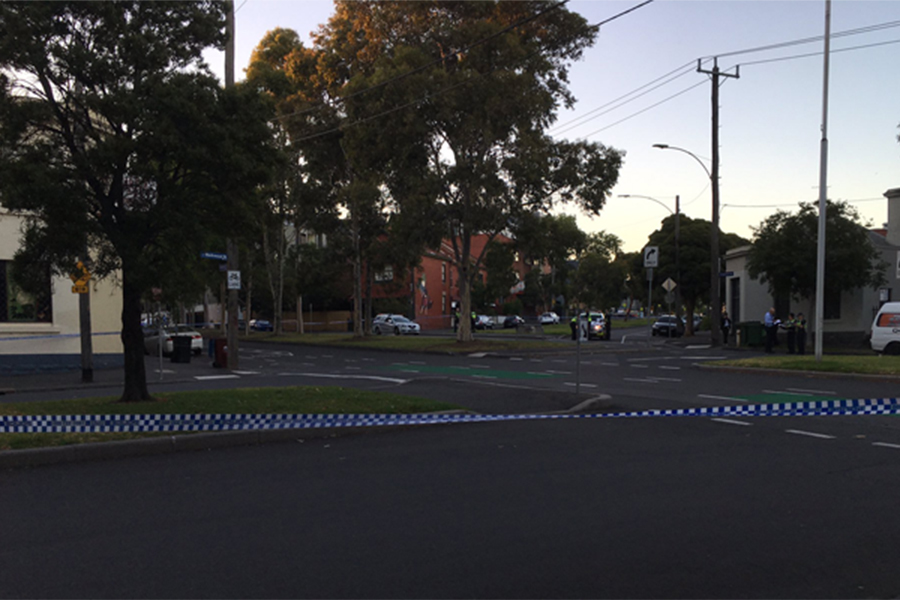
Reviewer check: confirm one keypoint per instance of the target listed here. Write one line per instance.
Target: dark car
(668, 326)
(260, 325)
(513, 321)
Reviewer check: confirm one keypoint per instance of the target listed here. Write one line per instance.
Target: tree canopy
(783, 254)
(120, 146)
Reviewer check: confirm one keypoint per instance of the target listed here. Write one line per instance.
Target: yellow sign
(80, 288)
(80, 278)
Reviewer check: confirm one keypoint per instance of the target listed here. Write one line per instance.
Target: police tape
(146, 423)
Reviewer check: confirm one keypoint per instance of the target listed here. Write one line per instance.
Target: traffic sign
(726, 274)
(669, 285)
(81, 276)
(214, 255)
(80, 289)
(234, 280)
(651, 257)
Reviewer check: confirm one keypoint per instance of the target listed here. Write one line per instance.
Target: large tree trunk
(133, 342)
(279, 301)
(464, 332)
(357, 274)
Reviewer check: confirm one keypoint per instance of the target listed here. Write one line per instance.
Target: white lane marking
(558, 361)
(886, 445)
(536, 360)
(669, 368)
(478, 367)
(709, 397)
(478, 355)
(368, 360)
(416, 362)
(785, 393)
(164, 371)
(246, 372)
(558, 372)
(675, 379)
(639, 380)
(515, 358)
(823, 392)
(821, 436)
(409, 371)
(350, 360)
(639, 366)
(704, 357)
(608, 364)
(698, 347)
(353, 368)
(652, 359)
(535, 372)
(398, 364)
(211, 377)
(590, 385)
(731, 422)
(484, 376)
(348, 376)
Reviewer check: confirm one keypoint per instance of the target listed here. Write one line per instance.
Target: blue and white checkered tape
(245, 422)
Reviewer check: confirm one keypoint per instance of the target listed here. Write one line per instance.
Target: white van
(886, 329)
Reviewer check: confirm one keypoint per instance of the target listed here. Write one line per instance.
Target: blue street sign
(726, 274)
(214, 255)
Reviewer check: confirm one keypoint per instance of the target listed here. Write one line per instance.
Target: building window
(443, 272)
(443, 303)
(17, 306)
(832, 309)
(386, 275)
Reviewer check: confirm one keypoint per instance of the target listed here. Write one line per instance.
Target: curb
(171, 444)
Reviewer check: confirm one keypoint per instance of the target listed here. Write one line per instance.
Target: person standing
(800, 326)
(771, 325)
(789, 326)
(726, 327)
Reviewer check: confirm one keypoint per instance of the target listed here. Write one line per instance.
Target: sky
(770, 117)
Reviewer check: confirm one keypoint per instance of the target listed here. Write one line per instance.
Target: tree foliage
(116, 138)
(783, 254)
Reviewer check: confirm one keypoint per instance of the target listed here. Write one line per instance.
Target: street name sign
(214, 255)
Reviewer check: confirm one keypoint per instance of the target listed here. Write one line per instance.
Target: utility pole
(231, 332)
(715, 303)
(677, 260)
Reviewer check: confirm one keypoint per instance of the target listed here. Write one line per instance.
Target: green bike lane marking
(481, 373)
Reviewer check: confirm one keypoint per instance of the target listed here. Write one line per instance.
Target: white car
(886, 329)
(396, 324)
(151, 339)
(549, 318)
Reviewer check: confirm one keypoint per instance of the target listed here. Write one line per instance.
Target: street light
(677, 214)
(715, 303)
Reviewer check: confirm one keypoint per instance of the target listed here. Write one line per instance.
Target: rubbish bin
(752, 333)
(221, 359)
(181, 349)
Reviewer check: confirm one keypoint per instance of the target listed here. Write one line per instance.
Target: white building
(847, 318)
(45, 335)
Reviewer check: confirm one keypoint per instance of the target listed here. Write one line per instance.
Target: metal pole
(677, 260)
(715, 305)
(823, 192)
(231, 331)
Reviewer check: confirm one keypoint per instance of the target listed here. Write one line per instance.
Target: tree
(692, 274)
(783, 254)
(482, 82)
(116, 139)
(600, 278)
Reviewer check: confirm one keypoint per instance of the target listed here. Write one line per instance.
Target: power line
(622, 14)
(812, 54)
(240, 7)
(809, 40)
(631, 116)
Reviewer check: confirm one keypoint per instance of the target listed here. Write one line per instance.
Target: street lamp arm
(697, 158)
(648, 198)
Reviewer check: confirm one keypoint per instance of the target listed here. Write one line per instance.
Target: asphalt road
(643, 508)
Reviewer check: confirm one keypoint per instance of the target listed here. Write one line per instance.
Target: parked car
(396, 324)
(668, 326)
(885, 338)
(513, 321)
(151, 339)
(698, 319)
(260, 325)
(484, 322)
(549, 318)
(598, 325)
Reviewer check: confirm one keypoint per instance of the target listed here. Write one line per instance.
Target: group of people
(795, 326)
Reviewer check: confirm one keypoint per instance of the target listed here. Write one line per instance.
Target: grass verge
(299, 400)
(412, 343)
(866, 365)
